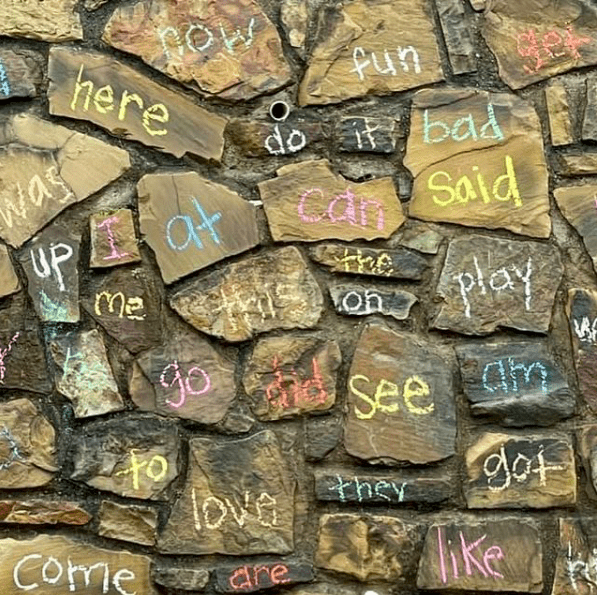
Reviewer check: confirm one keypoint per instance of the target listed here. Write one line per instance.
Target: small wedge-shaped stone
(136, 524)
(113, 239)
(558, 110)
(361, 300)
(307, 202)
(274, 290)
(191, 222)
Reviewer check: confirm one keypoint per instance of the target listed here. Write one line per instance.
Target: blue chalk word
(508, 376)
(4, 84)
(190, 230)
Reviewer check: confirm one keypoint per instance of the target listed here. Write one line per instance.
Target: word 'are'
(248, 578)
(173, 374)
(507, 376)
(362, 63)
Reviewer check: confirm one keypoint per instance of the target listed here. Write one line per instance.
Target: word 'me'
(367, 302)
(414, 388)
(207, 223)
(127, 305)
(214, 511)
(466, 559)
(585, 330)
(581, 570)
(4, 351)
(246, 578)
(291, 142)
(361, 62)
(545, 50)
(184, 382)
(52, 268)
(103, 102)
(115, 253)
(53, 572)
(365, 491)
(357, 263)
(500, 280)
(500, 468)
(155, 468)
(507, 376)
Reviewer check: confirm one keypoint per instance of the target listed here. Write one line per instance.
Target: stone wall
(298, 295)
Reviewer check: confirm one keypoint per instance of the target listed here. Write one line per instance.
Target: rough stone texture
(516, 383)
(9, 282)
(294, 15)
(20, 73)
(187, 579)
(478, 160)
(292, 374)
(587, 445)
(488, 283)
(225, 48)
(589, 128)
(420, 237)
(251, 578)
(274, 290)
(238, 500)
(361, 300)
(190, 222)
(370, 135)
(167, 121)
(510, 471)
(136, 524)
(457, 35)
(400, 399)
(322, 435)
(558, 111)
(113, 239)
(398, 32)
(43, 512)
(578, 165)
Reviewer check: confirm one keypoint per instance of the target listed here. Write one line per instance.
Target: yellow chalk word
(504, 187)
(127, 305)
(155, 469)
(357, 263)
(387, 396)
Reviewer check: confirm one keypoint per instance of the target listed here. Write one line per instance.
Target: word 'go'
(47, 269)
(207, 224)
(155, 469)
(184, 383)
(310, 390)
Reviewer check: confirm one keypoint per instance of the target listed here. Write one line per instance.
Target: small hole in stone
(279, 110)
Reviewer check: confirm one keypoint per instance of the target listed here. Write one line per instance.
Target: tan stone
(20, 73)
(42, 512)
(294, 15)
(584, 164)
(113, 239)
(9, 282)
(558, 110)
(128, 523)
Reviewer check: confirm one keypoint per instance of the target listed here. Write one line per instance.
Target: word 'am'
(505, 375)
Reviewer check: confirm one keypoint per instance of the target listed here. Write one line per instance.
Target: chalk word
(47, 269)
(213, 511)
(184, 383)
(106, 224)
(396, 490)
(207, 224)
(364, 137)
(53, 573)
(472, 565)
(500, 280)
(86, 373)
(37, 193)
(382, 265)
(300, 392)
(51, 310)
(155, 468)
(361, 62)
(4, 84)
(3, 353)
(13, 447)
(414, 388)
(508, 370)
(291, 143)
(583, 571)
(367, 302)
(103, 102)
(543, 51)
(350, 209)
(464, 189)
(463, 128)
(199, 38)
(499, 470)
(586, 330)
(127, 305)
(251, 579)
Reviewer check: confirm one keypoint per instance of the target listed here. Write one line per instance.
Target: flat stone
(589, 129)
(50, 263)
(488, 283)
(258, 577)
(308, 202)
(510, 471)
(223, 48)
(51, 168)
(558, 110)
(514, 383)
(43, 512)
(136, 524)
(478, 160)
(372, 52)
(348, 488)
(290, 375)
(95, 87)
(361, 300)
(584, 164)
(175, 577)
(458, 35)
(127, 303)
(587, 445)
(478, 4)
(48, 20)
(20, 73)
(238, 500)
(84, 375)
(533, 41)
(367, 547)
(70, 565)
(504, 554)
(135, 458)
(400, 399)
(295, 16)
(361, 134)
(185, 377)
(397, 263)
(190, 222)
(421, 238)
(322, 436)
(113, 239)
(274, 290)
(27, 446)
(9, 282)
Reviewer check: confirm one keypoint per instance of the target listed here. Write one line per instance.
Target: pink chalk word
(184, 382)
(107, 225)
(3, 353)
(292, 393)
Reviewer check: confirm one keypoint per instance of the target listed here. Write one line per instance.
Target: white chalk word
(282, 143)
(173, 373)
(581, 570)
(59, 253)
(364, 137)
(4, 83)
(361, 62)
(367, 302)
(507, 376)
(13, 448)
(128, 305)
(190, 229)
(585, 330)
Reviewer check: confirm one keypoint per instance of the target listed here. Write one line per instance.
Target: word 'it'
(207, 223)
(414, 388)
(362, 63)
(357, 263)
(366, 491)
(279, 143)
(4, 351)
(115, 253)
(128, 305)
(173, 374)
(52, 268)
(247, 578)
(585, 330)
(500, 280)
(507, 376)
(155, 468)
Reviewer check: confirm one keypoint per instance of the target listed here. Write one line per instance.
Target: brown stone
(191, 222)
(558, 110)
(27, 446)
(175, 577)
(274, 290)
(511, 471)
(400, 399)
(43, 512)
(95, 87)
(420, 237)
(113, 239)
(290, 375)
(238, 500)
(9, 282)
(59, 565)
(584, 164)
(478, 160)
(502, 554)
(136, 524)
(367, 547)
(20, 73)
(458, 35)
(589, 128)
(372, 51)
(308, 202)
(294, 15)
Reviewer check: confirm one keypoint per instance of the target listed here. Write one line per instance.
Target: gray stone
(175, 577)
(457, 29)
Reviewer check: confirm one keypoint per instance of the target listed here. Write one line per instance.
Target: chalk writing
(462, 129)
(107, 225)
(4, 83)
(252, 578)
(87, 373)
(53, 267)
(508, 376)
(155, 468)
(365, 490)
(127, 305)
(361, 62)
(368, 302)
(291, 142)
(581, 570)
(13, 448)
(184, 383)
(190, 229)
(51, 310)
(585, 330)
(357, 263)
(3, 353)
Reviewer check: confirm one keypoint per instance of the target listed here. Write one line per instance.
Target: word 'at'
(190, 229)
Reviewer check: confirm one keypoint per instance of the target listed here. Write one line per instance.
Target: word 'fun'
(361, 62)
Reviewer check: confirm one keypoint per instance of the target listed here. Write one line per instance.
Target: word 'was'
(115, 253)
(190, 229)
(366, 491)
(248, 578)
(586, 330)
(462, 129)
(184, 382)
(357, 263)
(52, 267)
(361, 62)
(3, 353)
(155, 468)
(291, 142)
(128, 305)
(508, 376)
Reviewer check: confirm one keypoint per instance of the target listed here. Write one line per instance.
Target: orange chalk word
(247, 578)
